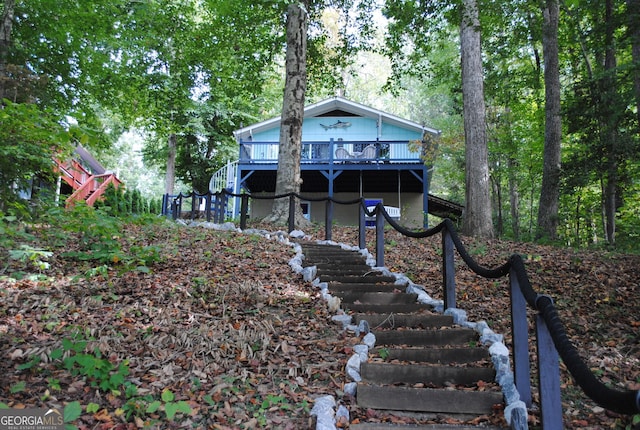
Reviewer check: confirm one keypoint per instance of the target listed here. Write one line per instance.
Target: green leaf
(92, 408)
(57, 353)
(18, 387)
(29, 364)
(72, 411)
(154, 406)
(167, 396)
(171, 409)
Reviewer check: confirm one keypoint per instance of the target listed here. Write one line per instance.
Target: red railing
(87, 187)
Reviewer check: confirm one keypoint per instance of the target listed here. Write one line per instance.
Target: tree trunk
(170, 177)
(633, 14)
(288, 178)
(477, 219)
(514, 198)
(610, 122)
(550, 190)
(6, 26)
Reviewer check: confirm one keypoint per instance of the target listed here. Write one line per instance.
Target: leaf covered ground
(181, 327)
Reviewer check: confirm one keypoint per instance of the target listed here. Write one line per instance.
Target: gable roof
(341, 107)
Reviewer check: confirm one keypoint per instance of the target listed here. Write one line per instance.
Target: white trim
(340, 103)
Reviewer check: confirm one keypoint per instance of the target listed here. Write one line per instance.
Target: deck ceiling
(348, 181)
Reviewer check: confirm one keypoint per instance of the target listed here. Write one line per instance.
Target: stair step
(387, 308)
(389, 426)
(335, 260)
(381, 287)
(452, 336)
(391, 320)
(352, 265)
(377, 298)
(436, 355)
(348, 271)
(372, 277)
(390, 373)
(332, 254)
(427, 399)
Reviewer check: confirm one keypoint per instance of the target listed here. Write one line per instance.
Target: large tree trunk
(550, 190)
(6, 26)
(477, 218)
(610, 93)
(170, 177)
(288, 176)
(633, 14)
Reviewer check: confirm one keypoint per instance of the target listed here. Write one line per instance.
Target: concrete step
(427, 337)
(391, 320)
(367, 287)
(377, 298)
(352, 265)
(396, 308)
(451, 401)
(390, 426)
(435, 355)
(349, 271)
(370, 277)
(439, 376)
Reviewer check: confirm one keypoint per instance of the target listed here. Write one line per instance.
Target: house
(83, 178)
(349, 151)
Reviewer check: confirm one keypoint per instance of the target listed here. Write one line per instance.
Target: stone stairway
(423, 366)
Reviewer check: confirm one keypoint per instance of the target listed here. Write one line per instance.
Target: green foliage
(383, 353)
(30, 137)
(72, 411)
(118, 202)
(98, 371)
(33, 256)
(100, 239)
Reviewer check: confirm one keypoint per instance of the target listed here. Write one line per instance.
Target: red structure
(84, 178)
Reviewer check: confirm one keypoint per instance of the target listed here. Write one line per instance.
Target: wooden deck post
(379, 235)
(520, 332)
(548, 377)
(448, 270)
(208, 203)
(328, 219)
(362, 232)
(244, 211)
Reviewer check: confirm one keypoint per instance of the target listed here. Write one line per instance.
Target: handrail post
(362, 232)
(328, 219)
(520, 334)
(379, 236)
(292, 212)
(223, 206)
(165, 204)
(178, 203)
(216, 200)
(448, 270)
(208, 208)
(244, 211)
(548, 377)
(174, 209)
(193, 205)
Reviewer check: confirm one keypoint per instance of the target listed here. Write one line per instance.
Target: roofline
(337, 102)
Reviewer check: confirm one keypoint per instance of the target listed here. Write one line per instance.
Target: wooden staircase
(423, 366)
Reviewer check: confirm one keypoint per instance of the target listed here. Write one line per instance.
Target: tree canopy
(195, 70)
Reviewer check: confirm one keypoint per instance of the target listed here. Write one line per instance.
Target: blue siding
(364, 129)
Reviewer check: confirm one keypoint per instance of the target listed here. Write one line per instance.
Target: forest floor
(210, 329)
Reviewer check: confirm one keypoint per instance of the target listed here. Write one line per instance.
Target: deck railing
(551, 338)
(334, 151)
